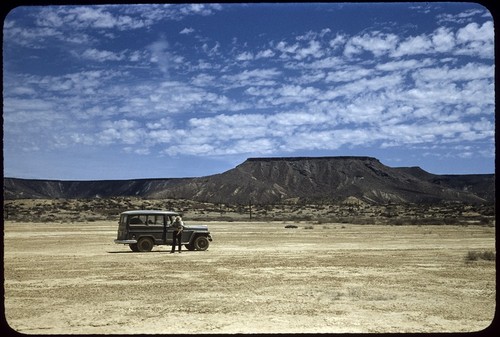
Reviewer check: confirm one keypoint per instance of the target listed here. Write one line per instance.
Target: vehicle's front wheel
(201, 243)
(189, 246)
(145, 244)
(133, 247)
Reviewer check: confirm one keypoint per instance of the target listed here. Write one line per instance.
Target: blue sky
(163, 91)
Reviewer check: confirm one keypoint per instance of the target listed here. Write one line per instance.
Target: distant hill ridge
(270, 159)
(281, 179)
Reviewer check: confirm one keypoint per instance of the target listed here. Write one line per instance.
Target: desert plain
(256, 277)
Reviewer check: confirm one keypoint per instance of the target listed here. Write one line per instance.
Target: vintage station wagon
(143, 229)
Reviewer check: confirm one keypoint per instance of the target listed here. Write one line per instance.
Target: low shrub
(485, 255)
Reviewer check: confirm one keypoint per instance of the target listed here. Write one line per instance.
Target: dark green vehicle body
(144, 229)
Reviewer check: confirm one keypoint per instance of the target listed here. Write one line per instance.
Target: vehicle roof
(149, 212)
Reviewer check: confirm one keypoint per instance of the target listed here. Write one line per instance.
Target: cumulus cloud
(476, 40)
(443, 40)
(314, 50)
(265, 53)
(245, 56)
(377, 43)
(121, 131)
(187, 31)
(101, 55)
(259, 77)
(348, 74)
(474, 32)
(414, 45)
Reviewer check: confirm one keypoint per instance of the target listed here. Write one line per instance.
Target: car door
(168, 230)
(136, 225)
(155, 224)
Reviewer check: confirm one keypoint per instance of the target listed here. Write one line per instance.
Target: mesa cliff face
(270, 180)
(275, 180)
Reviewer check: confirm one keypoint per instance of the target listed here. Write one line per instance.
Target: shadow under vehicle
(144, 229)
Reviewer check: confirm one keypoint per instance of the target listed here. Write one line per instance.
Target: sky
(188, 90)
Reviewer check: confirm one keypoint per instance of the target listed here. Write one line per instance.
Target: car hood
(197, 227)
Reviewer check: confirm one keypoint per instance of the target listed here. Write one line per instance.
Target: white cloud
(420, 44)
(314, 50)
(326, 63)
(120, 124)
(201, 9)
(135, 56)
(376, 43)
(311, 77)
(349, 74)
(160, 136)
(365, 85)
(476, 40)
(284, 94)
(473, 32)
(286, 49)
(338, 41)
(299, 118)
(91, 16)
(461, 17)
(160, 54)
(211, 51)
(187, 31)
(404, 65)
(139, 151)
(252, 77)
(162, 123)
(255, 146)
(121, 131)
(202, 80)
(443, 40)
(470, 71)
(245, 56)
(265, 53)
(472, 39)
(101, 55)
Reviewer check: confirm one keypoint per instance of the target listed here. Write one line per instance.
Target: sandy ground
(254, 278)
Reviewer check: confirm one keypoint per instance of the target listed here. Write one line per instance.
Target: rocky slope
(274, 180)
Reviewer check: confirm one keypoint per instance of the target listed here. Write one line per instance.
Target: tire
(145, 245)
(189, 246)
(201, 243)
(133, 247)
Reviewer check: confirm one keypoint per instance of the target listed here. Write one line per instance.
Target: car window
(123, 222)
(155, 220)
(137, 220)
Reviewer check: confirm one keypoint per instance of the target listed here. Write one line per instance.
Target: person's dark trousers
(177, 238)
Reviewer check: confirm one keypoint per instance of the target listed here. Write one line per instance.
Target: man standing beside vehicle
(178, 226)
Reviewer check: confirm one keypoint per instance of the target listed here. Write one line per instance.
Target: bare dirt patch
(255, 277)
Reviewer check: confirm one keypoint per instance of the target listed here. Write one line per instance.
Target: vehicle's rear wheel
(189, 246)
(133, 247)
(145, 244)
(201, 243)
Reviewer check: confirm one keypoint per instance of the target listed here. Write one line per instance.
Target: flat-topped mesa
(268, 159)
(282, 179)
